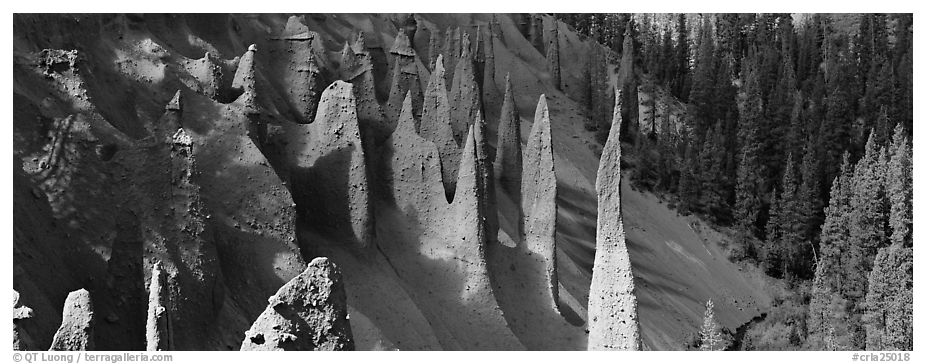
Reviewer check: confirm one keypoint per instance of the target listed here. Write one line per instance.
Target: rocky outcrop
(251, 219)
(295, 58)
(612, 302)
(538, 196)
(436, 126)
(464, 93)
(77, 323)
(308, 313)
(20, 312)
(405, 81)
(326, 168)
(158, 336)
(357, 69)
(245, 82)
(553, 57)
(438, 249)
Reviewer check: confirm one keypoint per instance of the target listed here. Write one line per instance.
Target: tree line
(798, 137)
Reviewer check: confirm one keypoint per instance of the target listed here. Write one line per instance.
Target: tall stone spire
(612, 302)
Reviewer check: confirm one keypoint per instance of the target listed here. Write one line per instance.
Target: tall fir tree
(889, 300)
(749, 173)
(827, 308)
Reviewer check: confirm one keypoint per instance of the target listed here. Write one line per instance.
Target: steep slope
(231, 223)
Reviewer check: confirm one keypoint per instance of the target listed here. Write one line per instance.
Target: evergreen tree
(785, 242)
(810, 198)
(681, 80)
(702, 82)
(900, 189)
(710, 333)
(749, 173)
(827, 306)
(889, 301)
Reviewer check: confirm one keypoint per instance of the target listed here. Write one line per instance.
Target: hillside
(294, 143)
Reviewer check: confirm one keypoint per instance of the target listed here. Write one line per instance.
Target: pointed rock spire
(245, 81)
(357, 68)
(169, 122)
(464, 94)
(404, 81)
(436, 126)
(157, 329)
(508, 148)
(538, 196)
(176, 103)
(413, 166)
(76, 331)
(308, 313)
(612, 302)
(402, 46)
(300, 77)
(296, 30)
(206, 75)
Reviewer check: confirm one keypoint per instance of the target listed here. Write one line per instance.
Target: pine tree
(784, 229)
(889, 300)
(702, 81)
(710, 332)
(809, 198)
(827, 307)
(900, 189)
(688, 181)
(748, 173)
(681, 80)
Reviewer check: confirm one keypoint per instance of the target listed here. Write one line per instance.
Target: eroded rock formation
(357, 69)
(308, 313)
(77, 323)
(205, 75)
(464, 93)
(158, 334)
(436, 126)
(538, 196)
(612, 302)
(440, 254)
(326, 168)
(245, 81)
(404, 81)
(295, 56)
